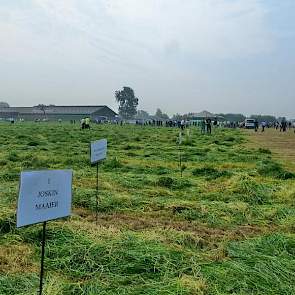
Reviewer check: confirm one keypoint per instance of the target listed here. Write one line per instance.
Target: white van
(250, 123)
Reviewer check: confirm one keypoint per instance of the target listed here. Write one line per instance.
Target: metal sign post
(180, 162)
(44, 195)
(98, 152)
(96, 199)
(180, 155)
(42, 257)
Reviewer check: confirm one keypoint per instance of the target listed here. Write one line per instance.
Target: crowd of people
(206, 124)
(180, 123)
(283, 126)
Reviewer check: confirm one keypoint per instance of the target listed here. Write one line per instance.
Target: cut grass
(225, 227)
(264, 265)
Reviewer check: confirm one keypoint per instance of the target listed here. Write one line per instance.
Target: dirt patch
(210, 235)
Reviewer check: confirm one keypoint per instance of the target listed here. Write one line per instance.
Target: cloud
(193, 53)
(215, 29)
(138, 31)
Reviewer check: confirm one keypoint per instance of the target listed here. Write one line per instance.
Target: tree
(4, 104)
(233, 117)
(177, 117)
(265, 118)
(127, 102)
(42, 107)
(280, 119)
(141, 114)
(159, 114)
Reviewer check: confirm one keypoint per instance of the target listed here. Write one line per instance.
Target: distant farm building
(54, 113)
(205, 115)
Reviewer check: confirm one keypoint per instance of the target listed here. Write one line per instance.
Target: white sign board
(44, 195)
(98, 150)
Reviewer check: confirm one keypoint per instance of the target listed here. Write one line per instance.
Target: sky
(224, 56)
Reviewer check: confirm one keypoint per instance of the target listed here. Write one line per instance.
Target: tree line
(128, 104)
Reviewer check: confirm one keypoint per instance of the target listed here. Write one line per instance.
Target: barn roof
(55, 109)
(204, 114)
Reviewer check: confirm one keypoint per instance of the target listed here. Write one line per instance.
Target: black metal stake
(42, 257)
(180, 163)
(180, 160)
(96, 206)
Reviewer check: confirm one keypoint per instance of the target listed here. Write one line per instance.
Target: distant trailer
(249, 123)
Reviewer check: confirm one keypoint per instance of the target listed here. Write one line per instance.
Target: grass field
(281, 144)
(226, 227)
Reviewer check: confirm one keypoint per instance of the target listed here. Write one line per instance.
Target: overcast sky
(179, 55)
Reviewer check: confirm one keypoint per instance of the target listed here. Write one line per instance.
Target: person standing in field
(256, 125)
(87, 123)
(182, 124)
(263, 124)
(203, 127)
(208, 125)
(83, 123)
(283, 126)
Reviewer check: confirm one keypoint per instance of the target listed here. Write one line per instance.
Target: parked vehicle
(249, 123)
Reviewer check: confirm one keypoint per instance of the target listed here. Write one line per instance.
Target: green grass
(225, 227)
(265, 265)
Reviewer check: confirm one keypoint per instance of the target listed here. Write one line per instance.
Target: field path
(281, 144)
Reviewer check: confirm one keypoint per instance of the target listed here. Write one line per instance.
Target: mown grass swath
(225, 227)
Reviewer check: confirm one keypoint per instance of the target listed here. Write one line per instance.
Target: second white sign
(98, 150)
